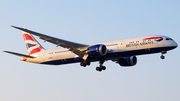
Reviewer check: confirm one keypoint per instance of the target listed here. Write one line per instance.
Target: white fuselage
(116, 49)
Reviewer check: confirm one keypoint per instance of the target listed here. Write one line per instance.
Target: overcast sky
(152, 79)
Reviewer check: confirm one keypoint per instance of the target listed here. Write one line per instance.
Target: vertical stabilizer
(32, 45)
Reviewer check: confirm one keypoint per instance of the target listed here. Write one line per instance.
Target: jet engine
(97, 50)
(128, 61)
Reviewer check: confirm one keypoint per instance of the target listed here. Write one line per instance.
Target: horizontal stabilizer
(18, 54)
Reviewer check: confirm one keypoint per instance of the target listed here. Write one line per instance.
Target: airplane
(122, 51)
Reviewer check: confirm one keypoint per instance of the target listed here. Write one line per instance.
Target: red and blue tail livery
(122, 51)
(32, 45)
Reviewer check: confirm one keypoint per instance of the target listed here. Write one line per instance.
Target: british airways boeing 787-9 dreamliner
(122, 52)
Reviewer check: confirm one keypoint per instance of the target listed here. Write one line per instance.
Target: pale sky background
(152, 79)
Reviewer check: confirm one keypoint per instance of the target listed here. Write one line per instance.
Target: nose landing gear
(162, 56)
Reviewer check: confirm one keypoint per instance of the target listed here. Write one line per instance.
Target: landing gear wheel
(162, 57)
(88, 63)
(82, 64)
(85, 63)
(103, 68)
(163, 52)
(98, 69)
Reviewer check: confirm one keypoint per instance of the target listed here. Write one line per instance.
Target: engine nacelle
(128, 61)
(97, 50)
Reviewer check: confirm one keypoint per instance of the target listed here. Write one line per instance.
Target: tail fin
(32, 45)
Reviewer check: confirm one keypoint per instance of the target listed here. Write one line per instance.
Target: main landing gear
(100, 68)
(162, 56)
(85, 63)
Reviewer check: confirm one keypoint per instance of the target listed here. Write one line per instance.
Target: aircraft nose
(175, 44)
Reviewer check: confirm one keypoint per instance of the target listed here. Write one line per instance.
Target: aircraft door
(122, 45)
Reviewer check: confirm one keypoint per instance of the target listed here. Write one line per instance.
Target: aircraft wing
(72, 46)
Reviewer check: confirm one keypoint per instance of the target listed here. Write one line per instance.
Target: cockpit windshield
(169, 39)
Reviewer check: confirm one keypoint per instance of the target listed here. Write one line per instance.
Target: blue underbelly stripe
(109, 56)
